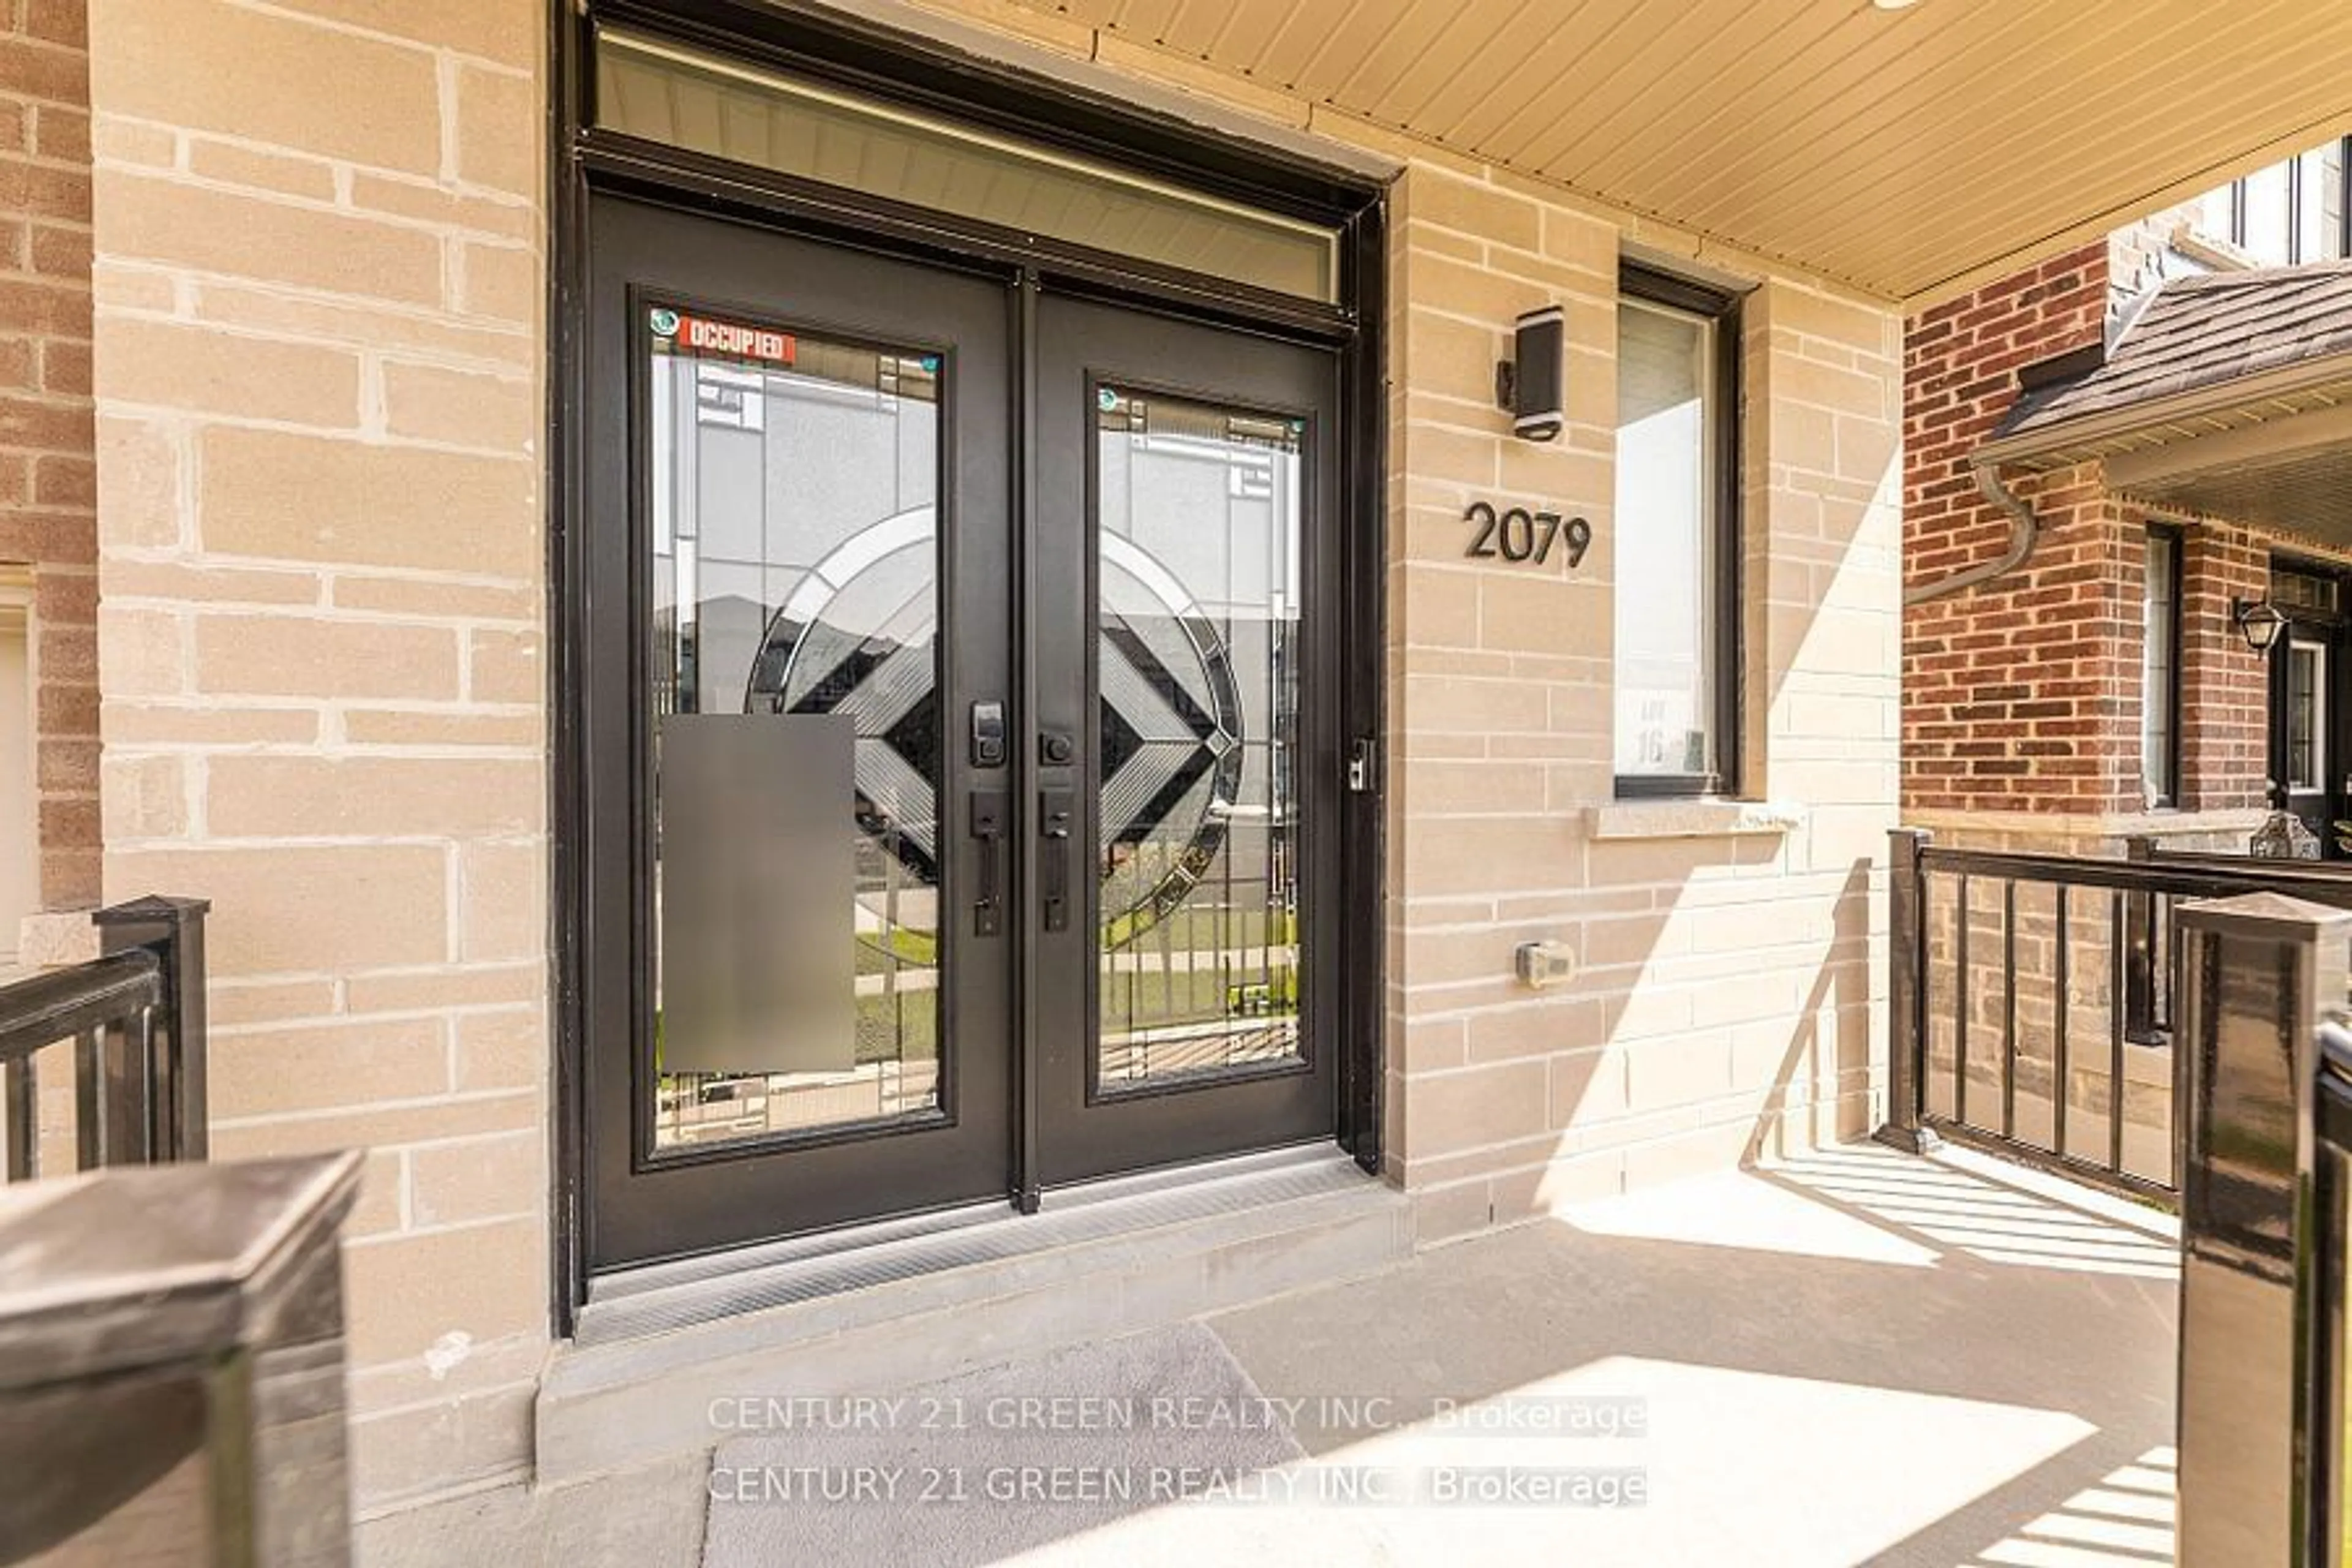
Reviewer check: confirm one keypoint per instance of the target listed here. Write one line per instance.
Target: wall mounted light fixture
(1528, 385)
(2258, 621)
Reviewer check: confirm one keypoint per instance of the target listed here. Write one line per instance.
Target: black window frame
(2172, 540)
(1651, 285)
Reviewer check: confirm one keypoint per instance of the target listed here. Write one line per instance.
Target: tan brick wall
(48, 512)
(320, 561)
(1729, 1006)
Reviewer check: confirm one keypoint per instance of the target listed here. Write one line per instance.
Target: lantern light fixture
(2258, 621)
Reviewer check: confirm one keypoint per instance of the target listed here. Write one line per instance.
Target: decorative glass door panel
(1198, 518)
(794, 571)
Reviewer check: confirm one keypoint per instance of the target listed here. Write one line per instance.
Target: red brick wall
(47, 468)
(2025, 695)
(2013, 694)
(2225, 688)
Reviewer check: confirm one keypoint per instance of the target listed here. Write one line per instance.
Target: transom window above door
(682, 97)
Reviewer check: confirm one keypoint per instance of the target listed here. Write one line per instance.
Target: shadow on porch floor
(1855, 1358)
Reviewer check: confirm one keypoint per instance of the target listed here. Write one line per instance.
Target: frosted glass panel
(709, 105)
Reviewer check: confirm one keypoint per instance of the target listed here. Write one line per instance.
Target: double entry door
(960, 751)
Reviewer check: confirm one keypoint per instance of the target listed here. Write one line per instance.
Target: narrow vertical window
(1677, 538)
(2269, 216)
(2160, 665)
(2316, 226)
(2306, 738)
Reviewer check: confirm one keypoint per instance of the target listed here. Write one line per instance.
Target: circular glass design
(1170, 754)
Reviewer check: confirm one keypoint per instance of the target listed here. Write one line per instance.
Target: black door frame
(885, 64)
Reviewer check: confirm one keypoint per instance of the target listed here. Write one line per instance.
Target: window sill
(1690, 819)
(2220, 255)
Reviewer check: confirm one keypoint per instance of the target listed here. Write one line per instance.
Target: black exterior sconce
(1530, 385)
(2258, 621)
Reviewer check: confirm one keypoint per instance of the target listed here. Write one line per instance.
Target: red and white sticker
(700, 335)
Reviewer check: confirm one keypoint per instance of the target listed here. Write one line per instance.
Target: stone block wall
(319, 393)
(1729, 1003)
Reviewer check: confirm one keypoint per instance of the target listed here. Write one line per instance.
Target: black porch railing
(129, 1027)
(2033, 999)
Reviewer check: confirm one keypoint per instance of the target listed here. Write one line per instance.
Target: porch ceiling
(2290, 471)
(1910, 153)
(2273, 451)
(2310, 494)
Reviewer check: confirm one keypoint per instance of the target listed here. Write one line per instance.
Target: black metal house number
(1521, 535)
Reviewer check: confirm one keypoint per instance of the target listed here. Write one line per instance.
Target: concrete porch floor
(1857, 1357)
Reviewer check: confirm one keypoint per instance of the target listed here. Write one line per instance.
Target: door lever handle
(1056, 808)
(988, 827)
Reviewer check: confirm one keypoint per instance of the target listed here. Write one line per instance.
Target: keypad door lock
(988, 745)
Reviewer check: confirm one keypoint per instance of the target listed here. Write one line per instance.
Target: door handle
(1054, 809)
(988, 827)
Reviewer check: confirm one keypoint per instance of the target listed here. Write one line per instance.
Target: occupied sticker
(700, 335)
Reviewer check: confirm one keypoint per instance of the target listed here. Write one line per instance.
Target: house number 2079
(1519, 535)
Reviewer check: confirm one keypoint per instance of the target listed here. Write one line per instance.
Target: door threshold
(661, 1298)
(659, 1371)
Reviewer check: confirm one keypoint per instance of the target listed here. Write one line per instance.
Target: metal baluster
(2168, 933)
(137, 1113)
(1910, 986)
(2009, 1009)
(90, 1111)
(2059, 1067)
(2115, 1034)
(20, 1098)
(1960, 1038)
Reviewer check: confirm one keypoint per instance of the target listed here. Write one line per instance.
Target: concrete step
(664, 1355)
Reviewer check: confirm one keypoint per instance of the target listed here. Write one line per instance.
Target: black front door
(896, 898)
(1182, 649)
(799, 500)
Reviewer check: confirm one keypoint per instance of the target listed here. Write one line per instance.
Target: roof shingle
(2200, 332)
